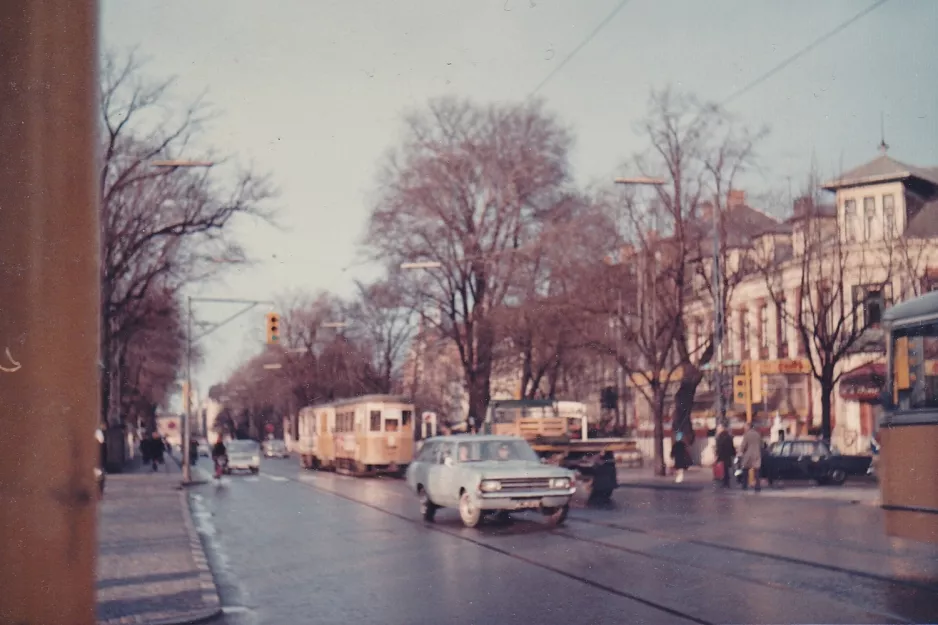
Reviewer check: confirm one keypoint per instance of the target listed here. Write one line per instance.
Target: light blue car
(486, 475)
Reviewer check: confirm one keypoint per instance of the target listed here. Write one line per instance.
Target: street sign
(272, 366)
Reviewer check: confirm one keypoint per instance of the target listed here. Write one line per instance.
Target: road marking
(252, 480)
(276, 478)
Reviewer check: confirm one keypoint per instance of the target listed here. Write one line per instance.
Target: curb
(206, 580)
(653, 486)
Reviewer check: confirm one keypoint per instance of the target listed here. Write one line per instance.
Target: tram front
(908, 471)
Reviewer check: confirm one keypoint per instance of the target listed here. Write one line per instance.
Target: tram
(908, 471)
(368, 435)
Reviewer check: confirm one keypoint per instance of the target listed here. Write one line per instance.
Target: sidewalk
(151, 565)
(859, 490)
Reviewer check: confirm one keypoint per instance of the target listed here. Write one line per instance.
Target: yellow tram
(908, 472)
(367, 435)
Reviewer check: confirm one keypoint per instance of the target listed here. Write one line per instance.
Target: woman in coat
(681, 456)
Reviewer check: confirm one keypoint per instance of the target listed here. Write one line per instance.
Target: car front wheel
(556, 516)
(837, 477)
(468, 512)
(427, 508)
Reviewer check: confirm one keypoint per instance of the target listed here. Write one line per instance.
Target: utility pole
(50, 311)
(187, 404)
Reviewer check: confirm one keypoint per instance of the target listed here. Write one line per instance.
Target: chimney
(803, 206)
(735, 197)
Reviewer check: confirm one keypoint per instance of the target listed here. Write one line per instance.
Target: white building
(826, 275)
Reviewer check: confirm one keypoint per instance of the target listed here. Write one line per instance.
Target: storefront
(860, 389)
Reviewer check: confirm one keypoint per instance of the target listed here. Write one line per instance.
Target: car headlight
(560, 482)
(490, 486)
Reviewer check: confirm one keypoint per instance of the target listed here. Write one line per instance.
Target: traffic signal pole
(187, 398)
(49, 311)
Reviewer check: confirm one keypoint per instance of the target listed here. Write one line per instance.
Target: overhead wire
(576, 50)
(791, 59)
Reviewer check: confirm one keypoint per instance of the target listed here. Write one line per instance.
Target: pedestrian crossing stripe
(276, 478)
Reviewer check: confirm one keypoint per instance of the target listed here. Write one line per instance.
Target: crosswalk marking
(275, 478)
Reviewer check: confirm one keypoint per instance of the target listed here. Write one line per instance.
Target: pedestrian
(681, 456)
(219, 457)
(605, 480)
(750, 452)
(193, 451)
(726, 451)
(156, 451)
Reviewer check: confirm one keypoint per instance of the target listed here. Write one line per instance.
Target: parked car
(275, 448)
(810, 459)
(485, 475)
(244, 455)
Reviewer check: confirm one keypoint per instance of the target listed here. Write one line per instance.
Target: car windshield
(242, 446)
(498, 451)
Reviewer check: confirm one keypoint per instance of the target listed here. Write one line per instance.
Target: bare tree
(698, 152)
(380, 321)
(161, 227)
(466, 189)
(840, 284)
(542, 321)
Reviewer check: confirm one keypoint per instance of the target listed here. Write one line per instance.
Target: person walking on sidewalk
(155, 450)
(681, 456)
(726, 451)
(750, 452)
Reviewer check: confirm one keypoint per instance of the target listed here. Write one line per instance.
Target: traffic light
(741, 389)
(273, 328)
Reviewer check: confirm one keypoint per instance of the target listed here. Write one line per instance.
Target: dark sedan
(812, 460)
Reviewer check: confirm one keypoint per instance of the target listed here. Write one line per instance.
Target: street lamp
(426, 264)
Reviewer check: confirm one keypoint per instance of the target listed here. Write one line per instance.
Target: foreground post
(49, 311)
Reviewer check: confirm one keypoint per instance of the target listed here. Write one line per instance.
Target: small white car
(484, 475)
(275, 448)
(244, 455)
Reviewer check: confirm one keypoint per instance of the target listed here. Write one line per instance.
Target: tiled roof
(882, 169)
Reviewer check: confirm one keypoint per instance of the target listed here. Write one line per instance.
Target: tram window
(405, 418)
(915, 365)
(375, 420)
(390, 425)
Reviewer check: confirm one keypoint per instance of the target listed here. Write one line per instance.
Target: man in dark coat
(605, 480)
(726, 452)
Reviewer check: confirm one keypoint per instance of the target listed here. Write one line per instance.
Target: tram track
(566, 535)
(932, 588)
(515, 556)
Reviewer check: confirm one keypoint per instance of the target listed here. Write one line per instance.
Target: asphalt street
(295, 546)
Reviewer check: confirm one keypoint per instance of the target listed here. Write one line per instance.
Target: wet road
(293, 546)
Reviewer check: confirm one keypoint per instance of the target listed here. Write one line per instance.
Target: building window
(869, 301)
(763, 332)
(889, 216)
(869, 217)
(850, 220)
(744, 330)
(930, 280)
(780, 326)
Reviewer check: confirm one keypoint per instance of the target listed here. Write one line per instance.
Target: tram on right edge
(908, 471)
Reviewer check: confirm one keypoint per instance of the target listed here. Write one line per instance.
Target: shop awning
(864, 383)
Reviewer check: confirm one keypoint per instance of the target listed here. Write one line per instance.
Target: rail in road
(779, 573)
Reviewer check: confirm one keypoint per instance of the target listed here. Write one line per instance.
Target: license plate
(526, 505)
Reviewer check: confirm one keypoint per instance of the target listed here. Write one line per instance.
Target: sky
(312, 92)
